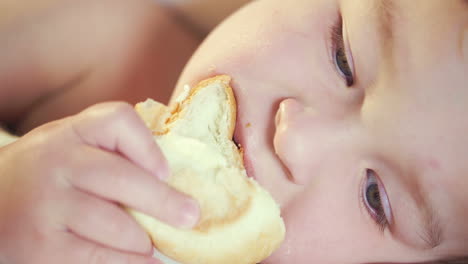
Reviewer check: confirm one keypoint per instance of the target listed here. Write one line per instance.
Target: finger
(118, 128)
(106, 223)
(83, 251)
(114, 178)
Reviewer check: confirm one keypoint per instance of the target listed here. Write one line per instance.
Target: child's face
(363, 143)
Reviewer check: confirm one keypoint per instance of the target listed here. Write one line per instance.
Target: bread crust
(249, 231)
(221, 79)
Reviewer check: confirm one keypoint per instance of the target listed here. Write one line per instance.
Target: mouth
(240, 137)
(239, 140)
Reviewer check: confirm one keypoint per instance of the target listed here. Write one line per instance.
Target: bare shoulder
(85, 52)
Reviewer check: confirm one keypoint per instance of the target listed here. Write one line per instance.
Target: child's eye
(340, 58)
(342, 64)
(375, 200)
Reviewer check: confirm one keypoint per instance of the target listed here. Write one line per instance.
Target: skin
(86, 50)
(309, 139)
(403, 118)
(65, 205)
(64, 183)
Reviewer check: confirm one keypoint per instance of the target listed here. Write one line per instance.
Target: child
(351, 113)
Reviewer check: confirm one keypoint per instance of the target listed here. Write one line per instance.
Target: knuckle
(122, 107)
(111, 108)
(120, 112)
(111, 115)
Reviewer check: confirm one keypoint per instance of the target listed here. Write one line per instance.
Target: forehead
(421, 104)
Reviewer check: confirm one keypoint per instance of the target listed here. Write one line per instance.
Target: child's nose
(290, 138)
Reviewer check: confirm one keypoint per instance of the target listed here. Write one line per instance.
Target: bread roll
(240, 222)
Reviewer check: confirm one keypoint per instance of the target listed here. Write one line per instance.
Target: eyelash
(339, 54)
(377, 214)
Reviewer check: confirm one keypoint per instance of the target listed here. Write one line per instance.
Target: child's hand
(62, 183)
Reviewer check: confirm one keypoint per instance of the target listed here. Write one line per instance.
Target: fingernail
(189, 214)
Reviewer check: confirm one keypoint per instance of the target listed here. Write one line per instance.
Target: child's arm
(62, 183)
(73, 54)
(12, 10)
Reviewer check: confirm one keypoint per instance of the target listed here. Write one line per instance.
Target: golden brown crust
(225, 81)
(244, 234)
(254, 250)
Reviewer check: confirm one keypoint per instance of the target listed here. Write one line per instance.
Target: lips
(248, 166)
(239, 140)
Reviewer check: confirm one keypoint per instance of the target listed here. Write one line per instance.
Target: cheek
(319, 221)
(271, 42)
(324, 222)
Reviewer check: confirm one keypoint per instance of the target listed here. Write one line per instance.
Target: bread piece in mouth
(240, 222)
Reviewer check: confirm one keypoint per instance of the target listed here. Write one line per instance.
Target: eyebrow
(387, 13)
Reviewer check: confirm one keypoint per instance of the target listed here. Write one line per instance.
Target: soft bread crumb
(240, 222)
(154, 114)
